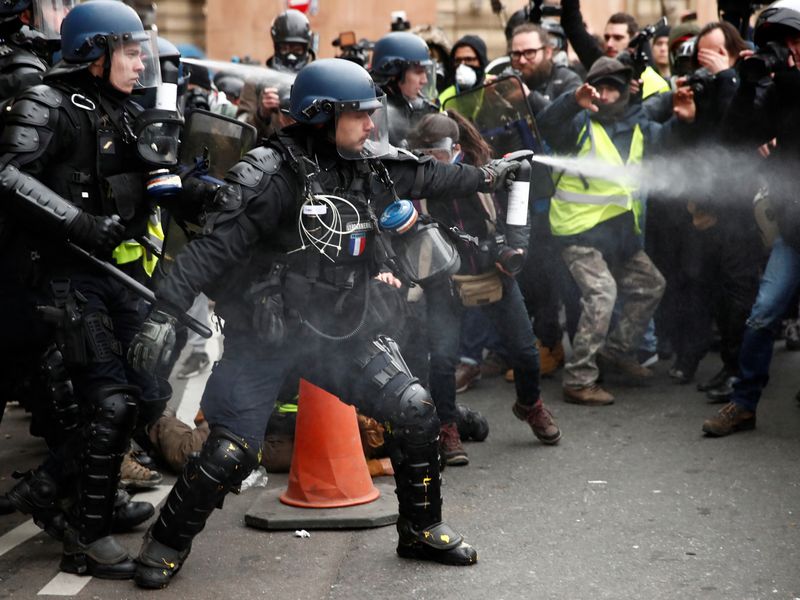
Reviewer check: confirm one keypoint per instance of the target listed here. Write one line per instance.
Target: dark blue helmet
(291, 26)
(397, 51)
(325, 86)
(167, 50)
(12, 8)
(90, 28)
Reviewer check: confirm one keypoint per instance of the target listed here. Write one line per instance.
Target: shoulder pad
(27, 112)
(264, 158)
(19, 139)
(250, 171)
(20, 58)
(43, 94)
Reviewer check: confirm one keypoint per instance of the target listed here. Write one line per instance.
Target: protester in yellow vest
(595, 222)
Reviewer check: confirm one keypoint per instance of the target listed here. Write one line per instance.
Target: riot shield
(500, 111)
(217, 140)
(210, 145)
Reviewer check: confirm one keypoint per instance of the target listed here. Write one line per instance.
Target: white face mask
(466, 77)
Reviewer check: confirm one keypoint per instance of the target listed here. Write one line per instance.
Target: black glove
(498, 173)
(96, 233)
(152, 347)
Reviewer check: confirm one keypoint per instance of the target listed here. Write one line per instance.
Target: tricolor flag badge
(358, 243)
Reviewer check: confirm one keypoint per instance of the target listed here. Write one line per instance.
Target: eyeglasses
(529, 54)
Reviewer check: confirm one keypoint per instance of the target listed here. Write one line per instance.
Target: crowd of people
(391, 225)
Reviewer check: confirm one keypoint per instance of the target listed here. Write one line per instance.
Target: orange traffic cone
(328, 465)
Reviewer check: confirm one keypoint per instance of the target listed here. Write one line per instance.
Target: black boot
(415, 458)
(129, 513)
(36, 494)
(6, 508)
(222, 465)
(104, 557)
(88, 546)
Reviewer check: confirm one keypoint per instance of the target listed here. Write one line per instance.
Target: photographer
(619, 31)
(765, 108)
(718, 253)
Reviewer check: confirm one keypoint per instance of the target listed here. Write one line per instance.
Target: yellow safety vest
(581, 203)
(653, 83)
(130, 250)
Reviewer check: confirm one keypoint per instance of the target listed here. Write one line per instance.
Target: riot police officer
(76, 153)
(27, 41)
(402, 65)
(290, 257)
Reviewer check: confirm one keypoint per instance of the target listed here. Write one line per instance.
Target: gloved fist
(99, 233)
(497, 174)
(152, 347)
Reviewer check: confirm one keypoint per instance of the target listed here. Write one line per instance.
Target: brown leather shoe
(541, 421)
(592, 395)
(626, 365)
(467, 376)
(450, 446)
(730, 419)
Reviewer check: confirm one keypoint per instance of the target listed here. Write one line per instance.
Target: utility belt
(286, 303)
(82, 339)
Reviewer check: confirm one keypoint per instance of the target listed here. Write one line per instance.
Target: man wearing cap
(467, 63)
(596, 222)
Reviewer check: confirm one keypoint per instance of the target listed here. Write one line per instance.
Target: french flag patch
(358, 242)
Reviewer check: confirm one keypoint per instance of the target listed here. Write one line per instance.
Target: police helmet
(397, 51)
(12, 8)
(291, 26)
(91, 28)
(776, 21)
(329, 85)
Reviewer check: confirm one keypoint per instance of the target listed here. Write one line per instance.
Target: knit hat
(609, 70)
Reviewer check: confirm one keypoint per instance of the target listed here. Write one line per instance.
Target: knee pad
(414, 417)
(113, 418)
(227, 459)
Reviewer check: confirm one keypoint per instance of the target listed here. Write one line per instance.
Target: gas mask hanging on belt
(422, 251)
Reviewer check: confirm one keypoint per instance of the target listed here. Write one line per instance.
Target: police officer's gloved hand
(99, 233)
(497, 174)
(152, 347)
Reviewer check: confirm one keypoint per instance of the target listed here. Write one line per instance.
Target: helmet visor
(362, 128)
(134, 61)
(48, 14)
(419, 80)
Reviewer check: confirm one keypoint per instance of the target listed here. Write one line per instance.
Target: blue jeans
(508, 317)
(778, 286)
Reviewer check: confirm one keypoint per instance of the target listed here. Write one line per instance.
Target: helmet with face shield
(401, 62)
(292, 38)
(111, 29)
(340, 94)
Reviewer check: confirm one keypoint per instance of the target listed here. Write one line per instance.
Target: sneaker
(550, 359)
(647, 358)
(613, 362)
(195, 363)
(730, 419)
(450, 447)
(467, 376)
(679, 374)
(592, 395)
(471, 424)
(494, 365)
(134, 476)
(541, 421)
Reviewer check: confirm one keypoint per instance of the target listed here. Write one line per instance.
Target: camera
(701, 82)
(767, 60)
(496, 250)
(352, 50)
